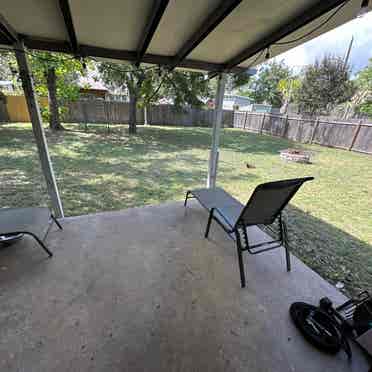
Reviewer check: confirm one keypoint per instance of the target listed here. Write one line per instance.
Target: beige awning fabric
(212, 35)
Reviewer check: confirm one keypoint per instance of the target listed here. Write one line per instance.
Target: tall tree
(128, 79)
(325, 83)
(186, 88)
(364, 84)
(234, 83)
(56, 75)
(289, 89)
(263, 87)
(147, 85)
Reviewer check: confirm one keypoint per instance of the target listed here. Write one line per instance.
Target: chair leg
(287, 257)
(209, 223)
(284, 238)
(56, 222)
(42, 245)
(240, 259)
(187, 196)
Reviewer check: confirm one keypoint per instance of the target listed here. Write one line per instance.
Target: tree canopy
(364, 84)
(151, 84)
(289, 89)
(325, 84)
(186, 88)
(147, 85)
(264, 86)
(56, 76)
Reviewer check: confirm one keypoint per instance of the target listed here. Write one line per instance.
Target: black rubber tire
(362, 317)
(299, 311)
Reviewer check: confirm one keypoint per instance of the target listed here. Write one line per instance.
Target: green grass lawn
(330, 218)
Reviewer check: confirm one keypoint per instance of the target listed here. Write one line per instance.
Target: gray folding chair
(33, 221)
(264, 207)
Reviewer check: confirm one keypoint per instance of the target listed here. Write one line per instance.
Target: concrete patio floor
(142, 290)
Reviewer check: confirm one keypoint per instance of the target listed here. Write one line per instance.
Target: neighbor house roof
(93, 90)
(213, 35)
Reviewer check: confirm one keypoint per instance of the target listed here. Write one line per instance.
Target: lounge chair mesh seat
(34, 221)
(264, 207)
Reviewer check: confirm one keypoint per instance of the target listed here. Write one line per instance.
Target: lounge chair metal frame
(238, 230)
(39, 240)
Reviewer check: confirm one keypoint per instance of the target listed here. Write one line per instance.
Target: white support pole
(218, 112)
(37, 127)
(145, 115)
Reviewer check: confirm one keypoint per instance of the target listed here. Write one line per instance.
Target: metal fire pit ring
(296, 155)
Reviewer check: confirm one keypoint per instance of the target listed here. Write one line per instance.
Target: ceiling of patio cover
(216, 35)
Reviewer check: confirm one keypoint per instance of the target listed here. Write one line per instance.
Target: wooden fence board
(99, 111)
(17, 109)
(363, 142)
(333, 133)
(4, 117)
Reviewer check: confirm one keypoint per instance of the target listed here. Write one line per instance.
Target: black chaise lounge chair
(29, 221)
(264, 207)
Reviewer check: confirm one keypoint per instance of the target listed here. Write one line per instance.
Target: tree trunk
(284, 108)
(54, 121)
(132, 113)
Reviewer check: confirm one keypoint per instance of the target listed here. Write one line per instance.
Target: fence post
(262, 122)
(85, 115)
(245, 119)
(145, 115)
(355, 135)
(314, 130)
(286, 121)
(106, 110)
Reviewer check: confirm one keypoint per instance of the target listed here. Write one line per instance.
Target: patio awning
(211, 35)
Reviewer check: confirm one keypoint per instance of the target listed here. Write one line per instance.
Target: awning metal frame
(38, 130)
(180, 59)
(67, 17)
(216, 131)
(299, 20)
(210, 23)
(151, 26)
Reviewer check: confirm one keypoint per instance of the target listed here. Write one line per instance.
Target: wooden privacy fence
(353, 136)
(15, 110)
(4, 117)
(113, 112)
(99, 111)
(187, 116)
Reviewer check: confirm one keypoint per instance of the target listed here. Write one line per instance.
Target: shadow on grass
(96, 172)
(154, 139)
(176, 138)
(130, 183)
(336, 255)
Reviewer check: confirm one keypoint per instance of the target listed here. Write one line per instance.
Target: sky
(336, 42)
